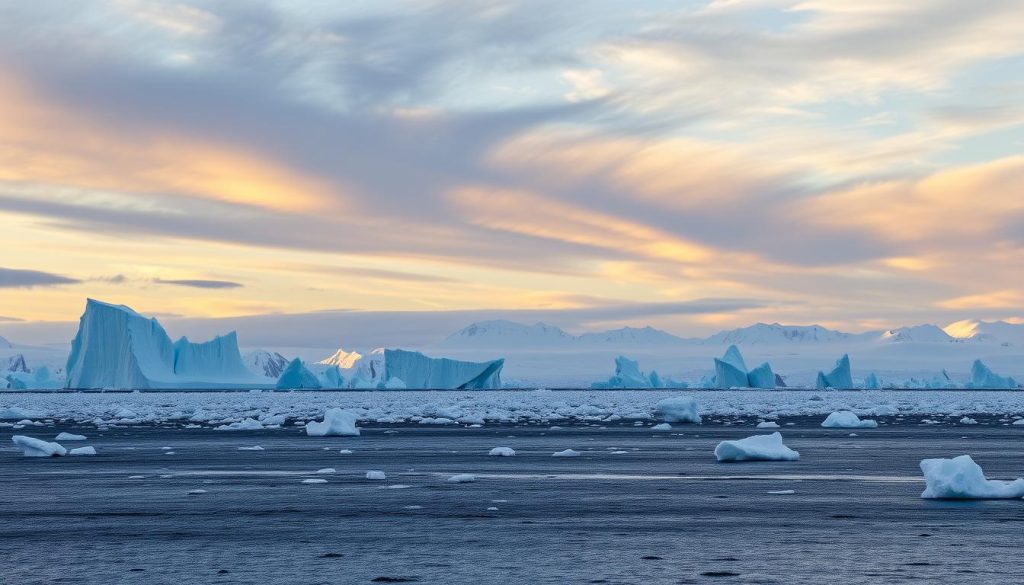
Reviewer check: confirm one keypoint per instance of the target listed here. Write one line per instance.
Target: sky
(690, 165)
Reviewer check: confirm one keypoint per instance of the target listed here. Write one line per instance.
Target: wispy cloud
(15, 278)
(197, 283)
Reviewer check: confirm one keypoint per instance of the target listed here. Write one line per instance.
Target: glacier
(840, 376)
(297, 377)
(982, 377)
(117, 348)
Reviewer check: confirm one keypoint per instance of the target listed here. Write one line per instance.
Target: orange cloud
(43, 143)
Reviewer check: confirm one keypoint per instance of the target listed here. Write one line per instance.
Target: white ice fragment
(767, 424)
(326, 470)
(566, 453)
(677, 409)
(662, 427)
(844, 419)
(968, 421)
(345, 452)
(756, 448)
(961, 478)
(373, 474)
(196, 492)
(253, 448)
(249, 424)
(314, 480)
(502, 452)
(462, 478)
(70, 437)
(336, 423)
(83, 451)
(32, 447)
(781, 492)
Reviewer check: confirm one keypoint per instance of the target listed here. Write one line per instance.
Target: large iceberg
(297, 377)
(418, 371)
(731, 372)
(38, 379)
(983, 377)
(840, 377)
(118, 348)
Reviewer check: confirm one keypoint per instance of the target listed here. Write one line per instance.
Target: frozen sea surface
(636, 506)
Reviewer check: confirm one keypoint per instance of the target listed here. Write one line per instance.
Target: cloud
(5, 319)
(194, 283)
(15, 278)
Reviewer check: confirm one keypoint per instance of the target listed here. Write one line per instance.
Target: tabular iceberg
(118, 348)
(839, 377)
(297, 377)
(421, 372)
(983, 377)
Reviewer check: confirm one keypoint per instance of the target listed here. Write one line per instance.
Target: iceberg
(731, 372)
(756, 448)
(982, 377)
(331, 377)
(629, 375)
(871, 382)
(297, 377)
(115, 347)
(840, 376)
(38, 379)
(418, 371)
(960, 478)
(762, 377)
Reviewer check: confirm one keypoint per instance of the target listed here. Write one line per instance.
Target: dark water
(663, 512)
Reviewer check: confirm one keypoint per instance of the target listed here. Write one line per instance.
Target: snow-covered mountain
(341, 358)
(631, 336)
(987, 331)
(774, 333)
(917, 333)
(507, 334)
(265, 363)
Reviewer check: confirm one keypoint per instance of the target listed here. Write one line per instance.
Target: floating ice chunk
(840, 377)
(502, 452)
(249, 424)
(781, 492)
(767, 424)
(566, 453)
(337, 422)
(326, 470)
(90, 450)
(961, 478)
(345, 452)
(756, 448)
(253, 448)
(376, 475)
(662, 427)
(196, 492)
(844, 419)
(70, 437)
(32, 447)
(462, 478)
(297, 377)
(968, 421)
(314, 481)
(677, 409)
(984, 378)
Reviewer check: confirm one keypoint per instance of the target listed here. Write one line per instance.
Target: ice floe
(756, 448)
(963, 479)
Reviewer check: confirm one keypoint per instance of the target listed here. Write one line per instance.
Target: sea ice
(337, 422)
(756, 448)
(662, 427)
(462, 478)
(502, 452)
(249, 424)
(566, 453)
(767, 424)
(376, 475)
(961, 478)
(844, 419)
(90, 450)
